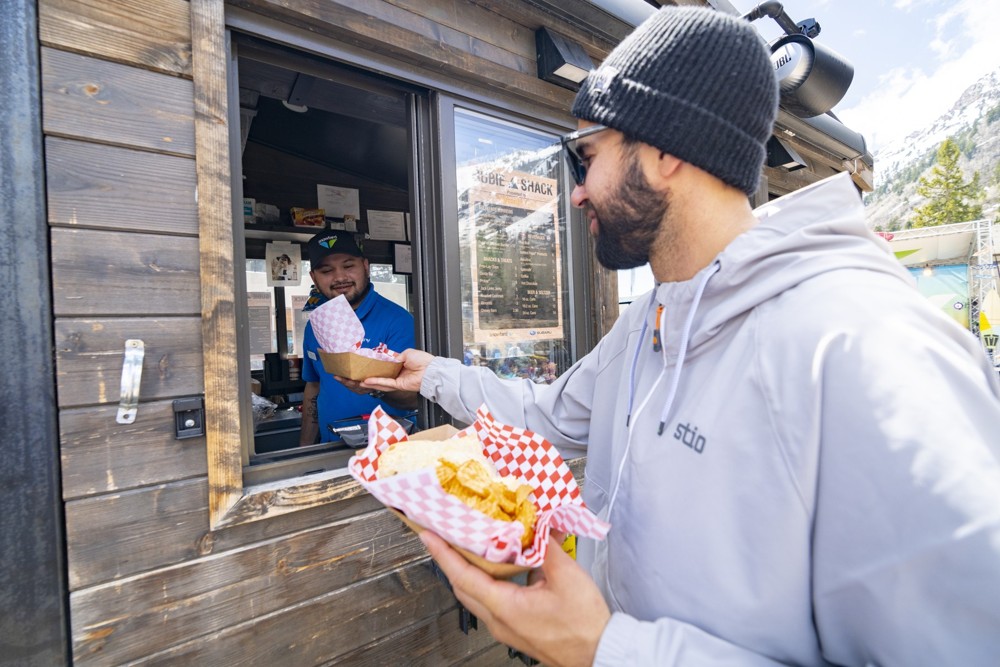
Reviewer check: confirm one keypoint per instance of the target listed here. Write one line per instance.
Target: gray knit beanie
(695, 83)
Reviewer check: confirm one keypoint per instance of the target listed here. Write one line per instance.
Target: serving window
(305, 134)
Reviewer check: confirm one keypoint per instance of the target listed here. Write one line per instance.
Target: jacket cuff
(617, 645)
(433, 378)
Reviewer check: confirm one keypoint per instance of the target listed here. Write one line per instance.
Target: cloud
(908, 98)
(941, 47)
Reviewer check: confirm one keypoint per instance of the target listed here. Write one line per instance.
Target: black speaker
(812, 79)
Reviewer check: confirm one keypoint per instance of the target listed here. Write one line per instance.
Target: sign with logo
(515, 257)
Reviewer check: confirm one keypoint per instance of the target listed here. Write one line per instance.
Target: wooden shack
(136, 527)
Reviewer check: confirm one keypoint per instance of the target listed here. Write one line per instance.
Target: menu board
(515, 258)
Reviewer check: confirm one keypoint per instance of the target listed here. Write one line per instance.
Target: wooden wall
(149, 582)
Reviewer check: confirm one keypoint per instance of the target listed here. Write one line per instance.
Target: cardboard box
(267, 214)
(308, 217)
(437, 433)
(248, 211)
(356, 367)
(495, 570)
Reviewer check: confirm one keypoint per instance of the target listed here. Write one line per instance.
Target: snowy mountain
(973, 122)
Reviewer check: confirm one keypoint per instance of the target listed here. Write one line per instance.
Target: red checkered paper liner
(338, 329)
(514, 451)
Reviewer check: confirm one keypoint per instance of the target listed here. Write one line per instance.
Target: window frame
(227, 421)
(227, 391)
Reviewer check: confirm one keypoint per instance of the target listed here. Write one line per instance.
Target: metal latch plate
(128, 404)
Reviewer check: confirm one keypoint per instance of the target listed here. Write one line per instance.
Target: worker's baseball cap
(330, 243)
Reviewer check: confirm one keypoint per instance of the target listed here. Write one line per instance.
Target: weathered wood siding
(149, 581)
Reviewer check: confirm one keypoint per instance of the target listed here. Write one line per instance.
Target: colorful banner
(947, 287)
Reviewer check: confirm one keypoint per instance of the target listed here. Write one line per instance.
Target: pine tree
(949, 197)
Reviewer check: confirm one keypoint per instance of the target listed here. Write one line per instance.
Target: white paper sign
(338, 202)
(402, 260)
(261, 322)
(387, 225)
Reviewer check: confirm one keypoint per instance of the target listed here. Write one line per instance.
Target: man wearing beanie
(797, 454)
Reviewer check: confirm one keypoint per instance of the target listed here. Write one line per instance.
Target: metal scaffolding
(984, 277)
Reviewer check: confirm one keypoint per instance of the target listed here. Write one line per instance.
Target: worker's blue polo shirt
(384, 322)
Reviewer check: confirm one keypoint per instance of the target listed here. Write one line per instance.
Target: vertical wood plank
(222, 419)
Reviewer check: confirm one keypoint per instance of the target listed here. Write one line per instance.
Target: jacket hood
(809, 232)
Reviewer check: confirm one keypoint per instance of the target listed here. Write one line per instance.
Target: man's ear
(667, 165)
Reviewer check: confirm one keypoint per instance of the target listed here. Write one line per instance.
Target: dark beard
(629, 222)
(362, 293)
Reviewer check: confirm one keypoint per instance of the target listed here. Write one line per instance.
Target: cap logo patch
(328, 242)
(603, 78)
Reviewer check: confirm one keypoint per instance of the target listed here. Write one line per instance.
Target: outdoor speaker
(811, 77)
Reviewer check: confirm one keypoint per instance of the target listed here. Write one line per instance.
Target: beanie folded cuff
(695, 83)
(684, 130)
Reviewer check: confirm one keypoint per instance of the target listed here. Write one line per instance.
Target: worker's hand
(353, 385)
(558, 618)
(415, 362)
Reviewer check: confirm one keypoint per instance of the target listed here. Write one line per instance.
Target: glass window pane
(512, 231)
(295, 318)
(392, 286)
(633, 283)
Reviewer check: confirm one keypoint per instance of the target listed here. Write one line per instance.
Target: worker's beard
(354, 297)
(629, 222)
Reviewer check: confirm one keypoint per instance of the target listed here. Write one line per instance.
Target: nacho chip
(472, 483)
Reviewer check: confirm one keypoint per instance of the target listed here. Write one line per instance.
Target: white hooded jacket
(807, 471)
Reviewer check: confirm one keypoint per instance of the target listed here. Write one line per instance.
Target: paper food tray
(492, 545)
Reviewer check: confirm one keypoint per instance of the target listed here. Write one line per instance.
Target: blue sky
(912, 58)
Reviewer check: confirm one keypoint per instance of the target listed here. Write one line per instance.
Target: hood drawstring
(682, 350)
(635, 360)
(674, 382)
(659, 347)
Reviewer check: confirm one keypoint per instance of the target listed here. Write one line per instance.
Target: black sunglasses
(576, 166)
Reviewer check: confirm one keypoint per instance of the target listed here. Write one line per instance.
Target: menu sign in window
(515, 257)
(260, 322)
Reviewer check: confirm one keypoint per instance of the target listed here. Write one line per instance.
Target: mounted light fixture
(299, 93)
(781, 154)
(561, 61)
(812, 78)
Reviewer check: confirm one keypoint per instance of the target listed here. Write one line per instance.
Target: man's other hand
(558, 618)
